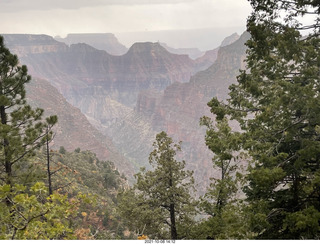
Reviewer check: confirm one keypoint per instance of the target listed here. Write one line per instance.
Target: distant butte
(101, 41)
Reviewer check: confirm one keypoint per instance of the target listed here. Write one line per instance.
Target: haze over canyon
(113, 100)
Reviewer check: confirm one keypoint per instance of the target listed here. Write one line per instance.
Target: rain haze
(179, 23)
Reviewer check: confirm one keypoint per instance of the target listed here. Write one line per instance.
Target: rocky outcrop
(101, 41)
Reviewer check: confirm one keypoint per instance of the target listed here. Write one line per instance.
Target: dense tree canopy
(277, 104)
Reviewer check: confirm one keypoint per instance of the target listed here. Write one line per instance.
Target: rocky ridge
(101, 41)
(80, 69)
(132, 97)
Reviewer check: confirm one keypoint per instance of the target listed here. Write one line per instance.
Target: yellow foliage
(142, 237)
(84, 214)
(83, 234)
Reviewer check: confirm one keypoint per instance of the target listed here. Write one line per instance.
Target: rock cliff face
(73, 130)
(181, 106)
(101, 41)
(80, 69)
(132, 97)
(24, 44)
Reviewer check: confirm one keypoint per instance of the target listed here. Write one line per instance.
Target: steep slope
(230, 39)
(177, 111)
(132, 97)
(210, 56)
(83, 172)
(101, 41)
(73, 129)
(151, 63)
(181, 106)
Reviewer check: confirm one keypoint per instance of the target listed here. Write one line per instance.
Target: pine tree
(277, 104)
(161, 199)
(22, 129)
(25, 210)
(221, 201)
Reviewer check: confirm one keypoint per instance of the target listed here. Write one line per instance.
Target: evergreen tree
(277, 104)
(161, 199)
(221, 201)
(22, 129)
(26, 211)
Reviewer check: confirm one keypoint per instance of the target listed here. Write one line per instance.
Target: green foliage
(86, 173)
(160, 203)
(276, 103)
(33, 215)
(62, 150)
(305, 222)
(140, 216)
(221, 203)
(110, 178)
(22, 128)
(27, 209)
(98, 182)
(81, 185)
(231, 224)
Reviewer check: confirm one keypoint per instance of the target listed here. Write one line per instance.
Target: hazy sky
(60, 17)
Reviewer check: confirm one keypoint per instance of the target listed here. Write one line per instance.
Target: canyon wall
(131, 98)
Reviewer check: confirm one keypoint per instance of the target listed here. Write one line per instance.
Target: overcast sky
(60, 17)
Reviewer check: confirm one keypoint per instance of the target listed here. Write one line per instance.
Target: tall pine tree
(22, 129)
(277, 104)
(25, 210)
(161, 203)
(221, 201)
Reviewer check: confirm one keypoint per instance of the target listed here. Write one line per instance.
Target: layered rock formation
(79, 70)
(132, 97)
(101, 41)
(24, 44)
(181, 106)
(177, 111)
(73, 130)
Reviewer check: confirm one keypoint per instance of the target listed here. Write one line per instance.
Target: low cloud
(60, 17)
(45, 5)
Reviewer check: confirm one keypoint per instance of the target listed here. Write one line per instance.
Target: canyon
(129, 98)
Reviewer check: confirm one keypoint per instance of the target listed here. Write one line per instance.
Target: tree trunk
(7, 163)
(5, 143)
(174, 235)
(48, 166)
